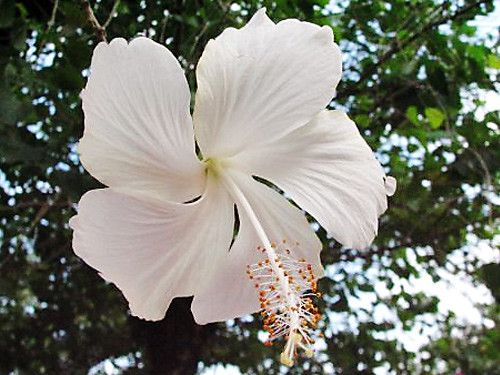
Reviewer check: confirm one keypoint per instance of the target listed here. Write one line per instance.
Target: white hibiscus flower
(164, 225)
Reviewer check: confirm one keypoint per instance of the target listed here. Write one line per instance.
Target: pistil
(290, 312)
(285, 287)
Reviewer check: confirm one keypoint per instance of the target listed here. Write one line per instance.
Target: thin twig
(39, 216)
(42, 211)
(198, 37)
(487, 181)
(50, 23)
(163, 29)
(33, 204)
(99, 30)
(225, 7)
(111, 14)
(52, 19)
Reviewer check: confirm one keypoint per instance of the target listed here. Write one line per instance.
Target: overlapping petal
(229, 293)
(153, 252)
(138, 131)
(328, 170)
(258, 111)
(261, 82)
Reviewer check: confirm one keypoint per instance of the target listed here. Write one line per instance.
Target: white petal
(328, 170)
(230, 293)
(138, 129)
(152, 253)
(262, 81)
(390, 185)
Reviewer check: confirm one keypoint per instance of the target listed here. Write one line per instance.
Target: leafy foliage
(416, 73)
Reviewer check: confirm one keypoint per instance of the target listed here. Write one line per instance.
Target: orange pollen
(285, 288)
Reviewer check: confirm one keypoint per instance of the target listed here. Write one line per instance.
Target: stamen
(285, 286)
(287, 307)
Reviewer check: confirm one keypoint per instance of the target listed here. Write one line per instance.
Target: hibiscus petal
(262, 81)
(230, 293)
(138, 130)
(328, 170)
(152, 252)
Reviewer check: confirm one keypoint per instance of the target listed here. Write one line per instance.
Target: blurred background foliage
(419, 81)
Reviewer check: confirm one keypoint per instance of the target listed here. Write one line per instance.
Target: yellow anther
(286, 360)
(309, 353)
(284, 286)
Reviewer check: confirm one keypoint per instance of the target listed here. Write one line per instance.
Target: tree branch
(50, 24)
(397, 46)
(36, 204)
(100, 31)
(487, 181)
(111, 14)
(52, 19)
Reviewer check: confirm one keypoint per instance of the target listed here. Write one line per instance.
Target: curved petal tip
(260, 18)
(390, 185)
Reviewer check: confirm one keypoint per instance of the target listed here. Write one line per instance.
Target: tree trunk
(173, 346)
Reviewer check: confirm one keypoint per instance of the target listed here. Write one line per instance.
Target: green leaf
(362, 120)
(476, 52)
(435, 117)
(493, 61)
(412, 114)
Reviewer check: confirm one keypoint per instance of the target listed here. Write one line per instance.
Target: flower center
(213, 167)
(285, 287)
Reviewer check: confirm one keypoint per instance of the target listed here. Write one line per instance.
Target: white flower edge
(328, 169)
